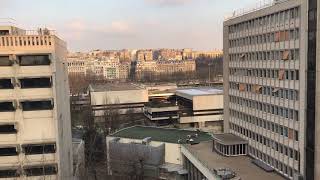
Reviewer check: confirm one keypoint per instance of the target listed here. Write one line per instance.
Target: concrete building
(175, 154)
(271, 90)
(158, 148)
(121, 97)
(35, 125)
(200, 108)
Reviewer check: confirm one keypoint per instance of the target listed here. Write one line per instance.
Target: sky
(127, 24)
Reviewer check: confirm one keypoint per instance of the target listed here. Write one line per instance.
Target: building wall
(119, 97)
(208, 102)
(43, 126)
(236, 113)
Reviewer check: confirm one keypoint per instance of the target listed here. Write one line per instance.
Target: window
(10, 173)
(6, 107)
(39, 149)
(7, 129)
(35, 83)
(6, 84)
(34, 60)
(5, 61)
(8, 151)
(42, 170)
(36, 105)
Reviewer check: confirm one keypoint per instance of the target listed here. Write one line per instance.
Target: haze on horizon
(133, 24)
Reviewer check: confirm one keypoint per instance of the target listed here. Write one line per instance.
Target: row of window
(267, 108)
(267, 125)
(271, 19)
(292, 153)
(285, 54)
(27, 106)
(26, 60)
(266, 73)
(283, 93)
(26, 83)
(287, 170)
(278, 36)
(29, 149)
(29, 171)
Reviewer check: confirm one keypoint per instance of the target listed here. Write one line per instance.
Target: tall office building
(271, 91)
(35, 127)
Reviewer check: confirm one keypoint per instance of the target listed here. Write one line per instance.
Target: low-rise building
(154, 151)
(120, 97)
(174, 154)
(201, 108)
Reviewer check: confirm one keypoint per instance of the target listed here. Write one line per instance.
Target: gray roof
(113, 87)
(200, 91)
(241, 165)
(228, 139)
(170, 135)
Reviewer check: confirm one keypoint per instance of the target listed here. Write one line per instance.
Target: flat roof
(241, 165)
(113, 87)
(199, 91)
(228, 139)
(170, 135)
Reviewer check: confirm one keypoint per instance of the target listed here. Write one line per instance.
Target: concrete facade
(265, 83)
(35, 141)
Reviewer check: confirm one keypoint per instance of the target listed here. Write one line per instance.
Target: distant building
(77, 66)
(35, 128)
(144, 55)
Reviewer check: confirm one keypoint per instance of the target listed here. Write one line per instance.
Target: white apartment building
(270, 85)
(77, 66)
(35, 125)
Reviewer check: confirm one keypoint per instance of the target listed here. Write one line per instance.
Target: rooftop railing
(258, 6)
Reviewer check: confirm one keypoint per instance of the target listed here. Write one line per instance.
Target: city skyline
(127, 24)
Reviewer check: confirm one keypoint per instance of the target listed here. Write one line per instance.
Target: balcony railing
(26, 40)
(258, 6)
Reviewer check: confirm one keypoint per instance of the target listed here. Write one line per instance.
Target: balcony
(34, 93)
(8, 138)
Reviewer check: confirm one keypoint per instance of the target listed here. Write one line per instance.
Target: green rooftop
(170, 135)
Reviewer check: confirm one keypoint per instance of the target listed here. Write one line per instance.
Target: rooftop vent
(225, 173)
(146, 140)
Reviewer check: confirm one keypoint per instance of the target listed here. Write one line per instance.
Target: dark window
(4, 32)
(7, 129)
(6, 84)
(40, 171)
(9, 173)
(6, 107)
(5, 61)
(8, 151)
(36, 105)
(39, 149)
(35, 83)
(34, 60)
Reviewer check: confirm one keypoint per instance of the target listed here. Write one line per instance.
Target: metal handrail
(258, 6)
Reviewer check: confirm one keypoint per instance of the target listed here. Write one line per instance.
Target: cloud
(168, 3)
(79, 29)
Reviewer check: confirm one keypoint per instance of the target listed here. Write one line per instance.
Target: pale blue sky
(118, 24)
